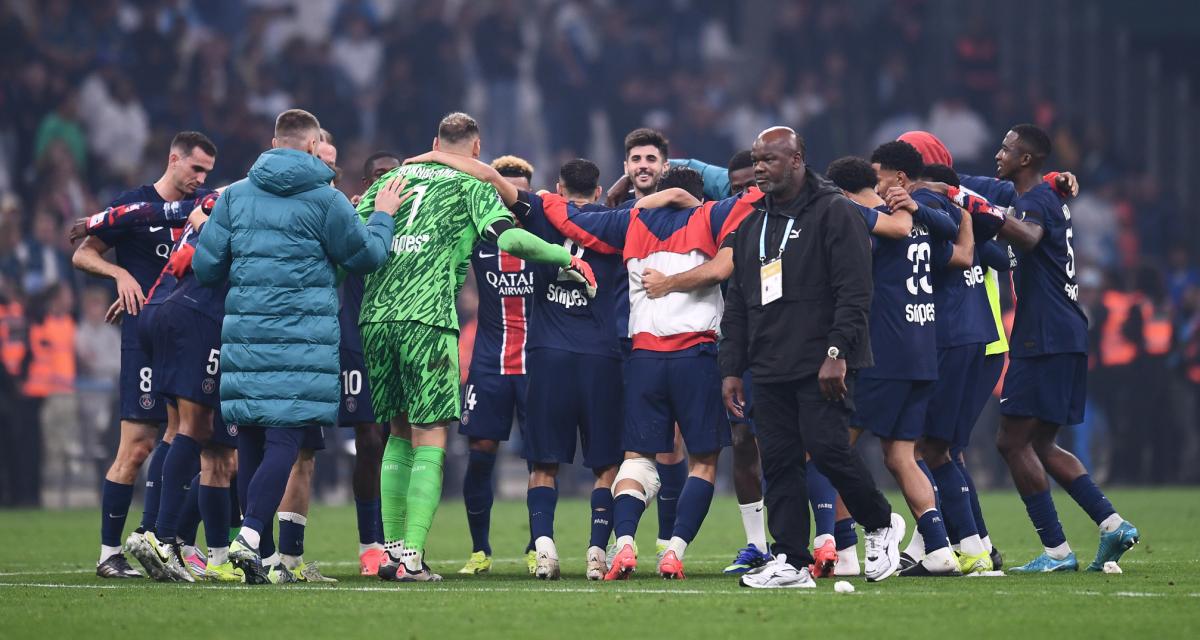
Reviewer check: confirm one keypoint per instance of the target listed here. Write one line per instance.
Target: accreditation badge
(771, 277)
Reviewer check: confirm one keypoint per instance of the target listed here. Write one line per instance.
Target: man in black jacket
(796, 317)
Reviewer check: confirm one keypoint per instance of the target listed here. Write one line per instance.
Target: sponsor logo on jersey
(568, 298)
(409, 244)
(511, 284)
(919, 313)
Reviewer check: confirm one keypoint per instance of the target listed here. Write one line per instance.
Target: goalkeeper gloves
(580, 271)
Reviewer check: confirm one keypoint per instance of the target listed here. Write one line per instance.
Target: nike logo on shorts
(486, 255)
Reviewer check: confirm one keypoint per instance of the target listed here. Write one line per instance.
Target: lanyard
(762, 240)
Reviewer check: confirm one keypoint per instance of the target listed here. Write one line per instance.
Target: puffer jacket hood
(286, 172)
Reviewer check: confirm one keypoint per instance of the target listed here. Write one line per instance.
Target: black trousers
(792, 419)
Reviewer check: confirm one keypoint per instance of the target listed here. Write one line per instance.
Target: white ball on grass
(1112, 567)
(842, 586)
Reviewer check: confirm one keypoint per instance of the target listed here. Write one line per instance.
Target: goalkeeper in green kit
(410, 329)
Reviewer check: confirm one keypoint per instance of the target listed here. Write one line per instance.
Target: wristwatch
(833, 353)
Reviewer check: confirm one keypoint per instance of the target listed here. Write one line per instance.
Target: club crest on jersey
(146, 401)
(351, 404)
(232, 430)
(208, 385)
(466, 417)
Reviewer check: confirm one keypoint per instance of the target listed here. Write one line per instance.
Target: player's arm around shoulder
(362, 249)
(214, 256)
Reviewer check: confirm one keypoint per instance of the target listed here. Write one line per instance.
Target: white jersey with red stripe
(505, 284)
(669, 241)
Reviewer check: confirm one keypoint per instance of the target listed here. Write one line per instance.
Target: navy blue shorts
(489, 404)
(989, 377)
(187, 355)
(748, 410)
(224, 434)
(314, 438)
(949, 418)
(1052, 388)
(892, 409)
(569, 394)
(140, 398)
(664, 389)
(356, 391)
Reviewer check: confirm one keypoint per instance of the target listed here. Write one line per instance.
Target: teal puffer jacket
(277, 236)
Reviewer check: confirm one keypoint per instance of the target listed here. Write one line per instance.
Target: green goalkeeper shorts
(413, 369)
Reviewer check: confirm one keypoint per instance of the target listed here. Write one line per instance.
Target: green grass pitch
(48, 588)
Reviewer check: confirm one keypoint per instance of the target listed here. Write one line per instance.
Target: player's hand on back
(655, 283)
(898, 199)
(580, 271)
(392, 195)
(78, 230)
(617, 193)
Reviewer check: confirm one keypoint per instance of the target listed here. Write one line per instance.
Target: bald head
(778, 157)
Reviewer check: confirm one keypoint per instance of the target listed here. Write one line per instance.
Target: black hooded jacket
(826, 288)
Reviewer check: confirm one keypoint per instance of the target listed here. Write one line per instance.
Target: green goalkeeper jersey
(436, 232)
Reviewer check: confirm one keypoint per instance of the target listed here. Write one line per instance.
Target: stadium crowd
(90, 94)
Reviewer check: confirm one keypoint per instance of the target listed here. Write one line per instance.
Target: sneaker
(907, 561)
(196, 562)
(531, 561)
(824, 560)
(1045, 564)
(883, 550)
(1114, 544)
(246, 559)
(176, 566)
(223, 573)
(611, 553)
(748, 557)
(981, 563)
(546, 567)
(117, 566)
(597, 564)
(424, 574)
(309, 572)
(847, 563)
(937, 564)
(670, 566)
(660, 548)
(778, 574)
(478, 563)
(997, 559)
(148, 551)
(391, 569)
(279, 574)
(369, 561)
(623, 564)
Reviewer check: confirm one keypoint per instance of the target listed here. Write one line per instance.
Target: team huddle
(648, 327)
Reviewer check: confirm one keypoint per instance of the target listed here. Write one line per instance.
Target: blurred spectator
(498, 45)
(117, 126)
(50, 384)
(39, 259)
(962, 130)
(62, 126)
(98, 352)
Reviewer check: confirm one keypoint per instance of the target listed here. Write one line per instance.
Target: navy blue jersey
(996, 191)
(178, 284)
(1048, 317)
(903, 334)
(141, 250)
(505, 284)
(351, 297)
(959, 294)
(563, 316)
